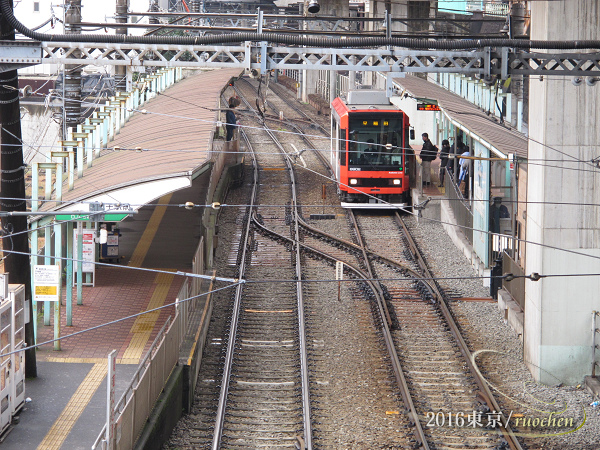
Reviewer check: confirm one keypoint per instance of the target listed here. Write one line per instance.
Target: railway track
(381, 351)
(435, 360)
(264, 393)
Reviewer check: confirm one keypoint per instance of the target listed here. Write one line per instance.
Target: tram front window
(375, 143)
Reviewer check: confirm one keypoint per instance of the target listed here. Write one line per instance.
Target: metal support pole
(47, 261)
(594, 314)
(110, 399)
(72, 73)
(79, 263)
(70, 255)
(57, 309)
(122, 8)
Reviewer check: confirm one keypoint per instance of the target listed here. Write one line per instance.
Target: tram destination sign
(427, 107)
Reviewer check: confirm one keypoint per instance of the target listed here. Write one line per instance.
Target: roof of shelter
(467, 116)
(175, 135)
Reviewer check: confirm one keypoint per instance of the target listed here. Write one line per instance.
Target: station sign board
(107, 217)
(46, 279)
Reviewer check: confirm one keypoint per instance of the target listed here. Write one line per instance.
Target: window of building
(36, 6)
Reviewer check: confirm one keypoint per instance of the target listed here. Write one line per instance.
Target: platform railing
(460, 208)
(136, 403)
(516, 287)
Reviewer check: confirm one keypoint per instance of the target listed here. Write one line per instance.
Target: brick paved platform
(68, 398)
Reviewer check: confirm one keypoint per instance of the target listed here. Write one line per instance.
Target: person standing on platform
(428, 154)
(230, 118)
(464, 171)
(444, 154)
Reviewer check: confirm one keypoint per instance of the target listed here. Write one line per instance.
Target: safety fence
(516, 287)
(137, 402)
(460, 208)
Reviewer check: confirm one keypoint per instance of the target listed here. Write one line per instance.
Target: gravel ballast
(501, 357)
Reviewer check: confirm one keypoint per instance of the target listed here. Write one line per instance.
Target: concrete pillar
(337, 8)
(558, 311)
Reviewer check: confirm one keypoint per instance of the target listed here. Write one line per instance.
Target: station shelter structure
(488, 121)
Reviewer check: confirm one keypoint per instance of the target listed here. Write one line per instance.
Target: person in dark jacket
(444, 154)
(428, 154)
(230, 118)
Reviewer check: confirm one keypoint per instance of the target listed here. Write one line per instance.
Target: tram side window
(342, 142)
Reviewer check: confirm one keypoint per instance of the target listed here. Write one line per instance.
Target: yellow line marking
(143, 325)
(143, 245)
(273, 311)
(77, 360)
(80, 399)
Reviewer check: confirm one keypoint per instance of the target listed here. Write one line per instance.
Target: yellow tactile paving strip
(143, 325)
(141, 329)
(78, 360)
(79, 400)
(139, 254)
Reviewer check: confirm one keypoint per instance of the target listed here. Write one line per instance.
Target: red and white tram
(370, 151)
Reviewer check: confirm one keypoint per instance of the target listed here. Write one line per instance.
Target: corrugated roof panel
(176, 132)
(468, 115)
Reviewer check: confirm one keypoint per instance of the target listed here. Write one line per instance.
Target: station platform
(68, 397)
(67, 402)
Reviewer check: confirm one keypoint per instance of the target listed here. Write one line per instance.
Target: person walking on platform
(230, 118)
(428, 154)
(444, 154)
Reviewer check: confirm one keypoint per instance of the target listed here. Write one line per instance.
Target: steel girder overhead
(260, 56)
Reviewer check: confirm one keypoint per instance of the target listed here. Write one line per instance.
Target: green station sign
(107, 217)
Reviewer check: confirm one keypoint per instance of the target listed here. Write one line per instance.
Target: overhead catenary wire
(456, 156)
(112, 322)
(439, 44)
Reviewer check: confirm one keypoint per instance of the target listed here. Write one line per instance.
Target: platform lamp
(313, 7)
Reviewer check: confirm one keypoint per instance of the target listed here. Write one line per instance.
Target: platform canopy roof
(500, 139)
(173, 138)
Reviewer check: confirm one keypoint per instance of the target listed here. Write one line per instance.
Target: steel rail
(368, 265)
(301, 320)
(228, 365)
(488, 397)
(387, 335)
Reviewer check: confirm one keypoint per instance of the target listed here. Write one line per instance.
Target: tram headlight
(353, 181)
(397, 182)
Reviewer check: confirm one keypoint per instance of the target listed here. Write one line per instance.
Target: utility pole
(121, 71)
(12, 186)
(72, 73)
